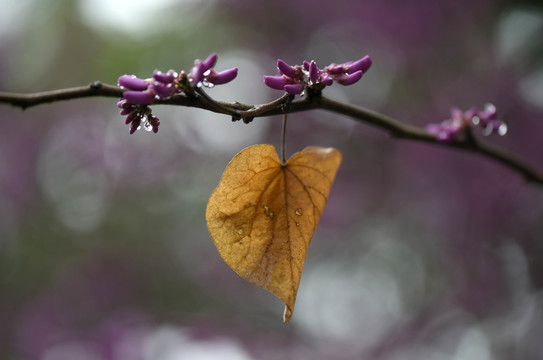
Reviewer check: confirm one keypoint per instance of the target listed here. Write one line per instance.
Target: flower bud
(132, 82)
(286, 69)
(275, 82)
(294, 89)
(135, 125)
(350, 78)
(163, 91)
(313, 72)
(139, 97)
(222, 77)
(209, 62)
(165, 78)
(363, 64)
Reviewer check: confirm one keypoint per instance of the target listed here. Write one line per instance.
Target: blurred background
(422, 252)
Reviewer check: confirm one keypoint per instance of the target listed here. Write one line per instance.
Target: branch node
(313, 95)
(287, 103)
(96, 85)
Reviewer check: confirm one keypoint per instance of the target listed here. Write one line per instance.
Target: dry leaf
(262, 215)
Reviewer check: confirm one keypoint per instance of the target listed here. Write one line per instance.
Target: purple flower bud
(335, 69)
(327, 80)
(121, 102)
(127, 106)
(139, 97)
(222, 77)
(350, 78)
(131, 117)
(125, 111)
(163, 91)
(313, 72)
(306, 65)
(209, 62)
(165, 78)
(276, 82)
(197, 72)
(293, 88)
(286, 69)
(135, 125)
(132, 82)
(155, 122)
(363, 64)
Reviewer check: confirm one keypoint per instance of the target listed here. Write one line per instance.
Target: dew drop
(207, 84)
(298, 212)
(266, 209)
(240, 231)
(490, 107)
(475, 120)
(502, 130)
(147, 126)
(297, 224)
(271, 215)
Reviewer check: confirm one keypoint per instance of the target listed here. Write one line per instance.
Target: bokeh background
(422, 252)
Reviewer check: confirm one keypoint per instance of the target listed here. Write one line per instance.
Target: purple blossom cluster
(294, 79)
(141, 93)
(456, 127)
(136, 114)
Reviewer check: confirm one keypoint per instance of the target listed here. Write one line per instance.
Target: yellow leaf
(262, 215)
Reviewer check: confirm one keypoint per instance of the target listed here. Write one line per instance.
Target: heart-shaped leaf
(262, 215)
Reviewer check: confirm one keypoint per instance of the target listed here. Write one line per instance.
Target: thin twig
(246, 111)
(259, 110)
(216, 106)
(399, 130)
(27, 100)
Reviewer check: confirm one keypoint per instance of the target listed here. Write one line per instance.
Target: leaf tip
(287, 314)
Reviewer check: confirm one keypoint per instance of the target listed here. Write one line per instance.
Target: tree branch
(27, 100)
(312, 101)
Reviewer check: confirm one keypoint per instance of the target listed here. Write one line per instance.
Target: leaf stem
(283, 135)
